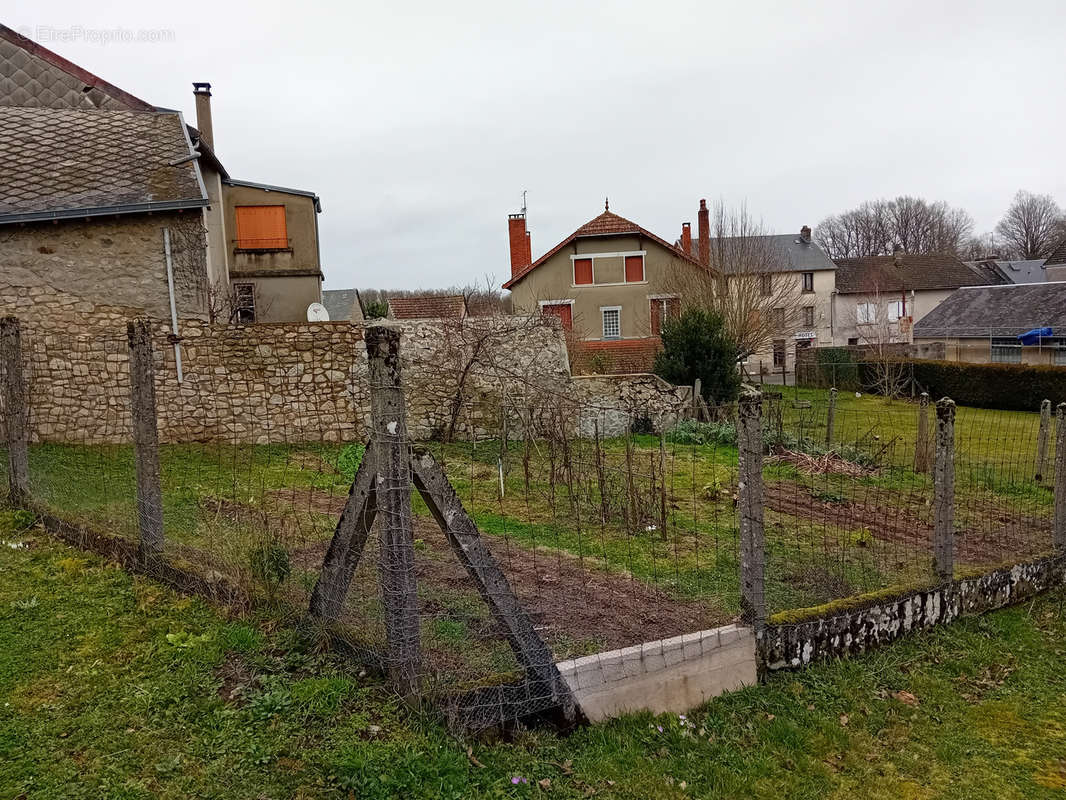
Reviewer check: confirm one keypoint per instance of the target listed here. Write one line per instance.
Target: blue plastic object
(1035, 335)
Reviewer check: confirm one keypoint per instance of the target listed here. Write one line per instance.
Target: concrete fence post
(922, 449)
(392, 460)
(1042, 441)
(830, 416)
(145, 438)
(1060, 479)
(750, 506)
(944, 490)
(15, 410)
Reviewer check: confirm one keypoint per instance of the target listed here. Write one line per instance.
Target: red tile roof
(615, 356)
(428, 307)
(606, 224)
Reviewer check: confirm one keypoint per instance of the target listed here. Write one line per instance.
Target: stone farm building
(94, 177)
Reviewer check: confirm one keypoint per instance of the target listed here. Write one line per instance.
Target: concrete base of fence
(674, 674)
(797, 644)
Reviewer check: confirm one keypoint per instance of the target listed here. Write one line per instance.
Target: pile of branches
(830, 462)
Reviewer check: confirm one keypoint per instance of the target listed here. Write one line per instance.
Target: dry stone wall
(308, 382)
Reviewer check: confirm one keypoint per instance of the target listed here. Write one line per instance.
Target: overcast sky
(419, 124)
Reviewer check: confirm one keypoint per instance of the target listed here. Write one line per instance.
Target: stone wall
(95, 273)
(307, 382)
(830, 633)
(615, 402)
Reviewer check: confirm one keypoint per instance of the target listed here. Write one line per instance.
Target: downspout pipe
(173, 303)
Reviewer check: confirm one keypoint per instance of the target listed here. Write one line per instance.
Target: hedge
(1015, 387)
(1012, 387)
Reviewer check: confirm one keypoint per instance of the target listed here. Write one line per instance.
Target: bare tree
(879, 227)
(749, 283)
(1032, 226)
(880, 336)
(482, 299)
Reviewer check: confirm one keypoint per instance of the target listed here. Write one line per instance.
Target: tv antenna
(524, 202)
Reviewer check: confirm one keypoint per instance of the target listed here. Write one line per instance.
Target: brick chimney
(686, 238)
(202, 92)
(521, 249)
(704, 234)
(805, 234)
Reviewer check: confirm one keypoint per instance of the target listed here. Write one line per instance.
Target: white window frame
(866, 313)
(603, 321)
(803, 281)
(895, 310)
(593, 256)
(808, 311)
(1004, 351)
(542, 303)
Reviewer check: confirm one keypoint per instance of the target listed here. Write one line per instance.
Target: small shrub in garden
(697, 345)
(270, 566)
(349, 460)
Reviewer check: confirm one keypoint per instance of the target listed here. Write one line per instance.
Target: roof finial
(606, 204)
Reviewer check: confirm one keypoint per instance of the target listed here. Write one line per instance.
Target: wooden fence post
(921, 442)
(15, 408)
(944, 490)
(145, 439)
(1042, 440)
(750, 491)
(830, 416)
(1060, 479)
(392, 460)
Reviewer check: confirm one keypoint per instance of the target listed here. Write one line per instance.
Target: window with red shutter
(582, 271)
(634, 269)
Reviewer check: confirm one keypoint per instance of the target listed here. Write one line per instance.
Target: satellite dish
(316, 312)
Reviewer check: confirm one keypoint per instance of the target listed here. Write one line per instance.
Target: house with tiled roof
(989, 324)
(113, 206)
(879, 299)
(609, 282)
(1055, 266)
(428, 306)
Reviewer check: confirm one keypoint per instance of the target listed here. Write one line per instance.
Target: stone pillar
(145, 438)
(922, 449)
(750, 508)
(392, 460)
(1042, 441)
(15, 411)
(944, 491)
(1060, 479)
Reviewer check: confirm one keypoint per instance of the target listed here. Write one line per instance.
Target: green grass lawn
(111, 686)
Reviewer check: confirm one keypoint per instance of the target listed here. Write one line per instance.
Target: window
(778, 319)
(766, 285)
(663, 308)
(612, 322)
(866, 313)
(564, 311)
(608, 269)
(808, 281)
(895, 310)
(244, 302)
(1006, 351)
(1058, 356)
(853, 341)
(808, 316)
(779, 352)
(634, 269)
(582, 271)
(261, 228)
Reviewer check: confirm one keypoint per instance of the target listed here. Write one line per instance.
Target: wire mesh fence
(478, 540)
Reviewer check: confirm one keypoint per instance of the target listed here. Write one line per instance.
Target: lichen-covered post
(1042, 441)
(750, 507)
(392, 459)
(145, 439)
(1060, 479)
(830, 416)
(15, 416)
(944, 490)
(921, 441)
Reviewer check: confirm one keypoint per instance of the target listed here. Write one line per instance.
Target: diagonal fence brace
(465, 539)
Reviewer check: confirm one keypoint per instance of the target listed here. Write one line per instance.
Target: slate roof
(796, 255)
(918, 272)
(1058, 255)
(1006, 310)
(60, 163)
(1002, 271)
(606, 224)
(339, 303)
(34, 76)
(428, 307)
